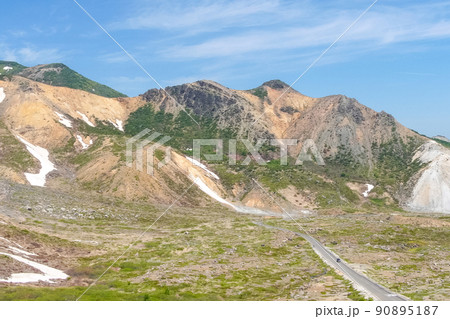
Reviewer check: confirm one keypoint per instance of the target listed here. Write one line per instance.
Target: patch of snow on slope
(86, 119)
(204, 188)
(7, 240)
(369, 189)
(2, 95)
(41, 154)
(118, 124)
(197, 163)
(63, 120)
(49, 273)
(20, 251)
(83, 144)
(241, 209)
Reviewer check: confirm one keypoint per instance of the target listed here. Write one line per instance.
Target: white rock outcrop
(431, 193)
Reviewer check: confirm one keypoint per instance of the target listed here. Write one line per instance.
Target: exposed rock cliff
(431, 188)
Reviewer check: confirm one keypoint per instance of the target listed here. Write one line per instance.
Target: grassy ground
(190, 254)
(408, 253)
(212, 253)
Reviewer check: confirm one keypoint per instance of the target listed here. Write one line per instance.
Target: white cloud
(116, 57)
(31, 55)
(8, 55)
(18, 33)
(380, 27)
(202, 16)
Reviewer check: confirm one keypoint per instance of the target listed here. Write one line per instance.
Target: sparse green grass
(259, 92)
(17, 157)
(215, 254)
(192, 255)
(444, 143)
(413, 256)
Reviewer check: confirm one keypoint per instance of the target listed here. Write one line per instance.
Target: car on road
(338, 260)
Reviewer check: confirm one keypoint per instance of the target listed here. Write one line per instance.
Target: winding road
(360, 281)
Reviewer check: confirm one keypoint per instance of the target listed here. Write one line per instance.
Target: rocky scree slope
(333, 122)
(430, 188)
(81, 137)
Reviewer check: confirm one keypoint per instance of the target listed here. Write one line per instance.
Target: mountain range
(52, 113)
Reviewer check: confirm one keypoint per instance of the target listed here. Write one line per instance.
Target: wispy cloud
(235, 29)
(18, 33)
(29, 54)
(116, 57)
(384, 26)
(200, 16)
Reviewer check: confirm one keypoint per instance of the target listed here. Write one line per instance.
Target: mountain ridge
(57, 74)
(359, 145)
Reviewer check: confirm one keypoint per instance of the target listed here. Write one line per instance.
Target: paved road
(375, 290)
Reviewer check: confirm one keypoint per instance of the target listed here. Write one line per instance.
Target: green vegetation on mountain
(259, 92)
(303, 177)
(444, 143)
(389, 172)
(181, 128)
(13, 154)
(6, 72)
(395, 164)
(58, 74)
(101, 128)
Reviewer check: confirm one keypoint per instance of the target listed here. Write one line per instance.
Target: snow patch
(204, 188)
(86, 119)
(41, 154)
(118, 124)
(20, 251)
(7, 240)
(2, 95)
(241, 209)
(63, 120)
(202, 166)
(369, 189)
(83, 144)
(49, 273)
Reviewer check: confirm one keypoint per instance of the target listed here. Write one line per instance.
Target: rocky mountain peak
(351, 108)
(276, 84)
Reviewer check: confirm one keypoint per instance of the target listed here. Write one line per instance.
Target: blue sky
(396, 58)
